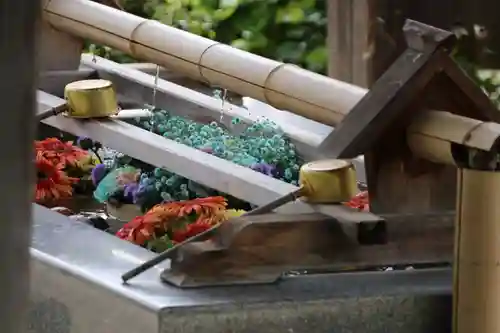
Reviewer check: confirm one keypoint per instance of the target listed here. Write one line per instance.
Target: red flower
(207, 212)
(59, 153)
(360, 201)
(52, 183)
(191, 230)
(137, 231)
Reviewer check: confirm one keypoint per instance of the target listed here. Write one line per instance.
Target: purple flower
(264, 168)
(98, 173)
(130, 192)
(207, 150)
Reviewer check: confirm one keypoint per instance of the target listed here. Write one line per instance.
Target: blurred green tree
(292, 31)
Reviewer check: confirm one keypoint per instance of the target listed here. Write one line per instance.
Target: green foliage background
(292, 31)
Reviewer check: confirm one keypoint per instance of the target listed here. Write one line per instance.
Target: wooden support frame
(423, 77)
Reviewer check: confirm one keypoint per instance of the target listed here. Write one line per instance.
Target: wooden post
(477, 253)
(350, 40)
(20, 21)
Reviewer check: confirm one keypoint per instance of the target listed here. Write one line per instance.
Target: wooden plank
(258, 249)
(196, 165)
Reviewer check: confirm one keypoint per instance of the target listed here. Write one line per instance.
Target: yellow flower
(230, 213)
(87, 163)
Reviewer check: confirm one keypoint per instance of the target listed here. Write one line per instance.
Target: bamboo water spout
(281, 85)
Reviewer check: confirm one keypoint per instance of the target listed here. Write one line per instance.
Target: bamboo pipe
(476, 294)
(432, 134)
(283, 86)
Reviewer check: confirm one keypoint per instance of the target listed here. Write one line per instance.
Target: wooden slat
(194, 164)
(46, 102)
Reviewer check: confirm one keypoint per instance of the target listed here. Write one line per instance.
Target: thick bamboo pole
(476, 304)
(283, 86)
(432, 134)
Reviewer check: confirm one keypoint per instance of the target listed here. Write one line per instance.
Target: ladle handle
(292, 196)
(51, 112)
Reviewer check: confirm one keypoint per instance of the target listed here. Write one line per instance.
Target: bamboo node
(268, 79)
(200, 66)
(468, 134)
(132, 40)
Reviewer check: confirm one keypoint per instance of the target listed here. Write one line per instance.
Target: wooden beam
(196, 165)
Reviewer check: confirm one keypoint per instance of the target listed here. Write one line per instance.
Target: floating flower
(137, 231)
(130, 192)
(191, 230)
(109, 184)
(230, 213)
(266, 169)
(360, 201)
(98, 173)
(197, 215)
(125, 177)
(59, 153)
(52, 182)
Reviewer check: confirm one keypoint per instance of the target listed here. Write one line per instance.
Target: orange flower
(137, 231)
(209, 211)
(52, 183)
(59, 153)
